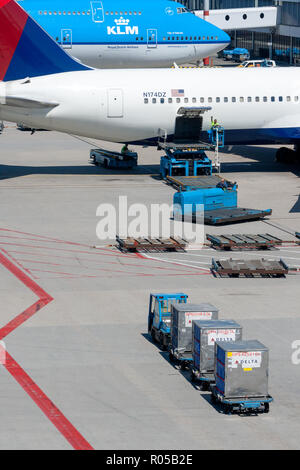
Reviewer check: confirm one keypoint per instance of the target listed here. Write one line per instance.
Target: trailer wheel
(267, 408)
(204, 386)
(161, 342)
(153, 335)
(171, 357)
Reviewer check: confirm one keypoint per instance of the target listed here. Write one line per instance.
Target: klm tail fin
(26, 50)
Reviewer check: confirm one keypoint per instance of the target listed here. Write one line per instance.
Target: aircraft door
(152, 38)
(97, 12)
(66, 38)
(115, 103)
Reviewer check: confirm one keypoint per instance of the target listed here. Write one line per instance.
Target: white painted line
(174, 262)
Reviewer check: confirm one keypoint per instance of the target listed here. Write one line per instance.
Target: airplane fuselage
(253, 105)
(127, 34)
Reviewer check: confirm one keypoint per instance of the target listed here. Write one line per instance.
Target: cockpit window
(182, 10)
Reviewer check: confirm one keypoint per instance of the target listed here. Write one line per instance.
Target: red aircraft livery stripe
(12, 20)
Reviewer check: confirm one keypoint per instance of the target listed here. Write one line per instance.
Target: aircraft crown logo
(122, 21)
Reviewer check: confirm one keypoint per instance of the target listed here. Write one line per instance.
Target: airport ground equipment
(151, 245)
(249, 268)
(114, 160)
(241, 375)
(238, 54)
(243, 241)
(201, 198)
(159, 316)
(182, 316)
(185, 160)
(204, 336)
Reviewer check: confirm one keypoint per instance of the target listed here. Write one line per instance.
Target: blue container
(186, 202)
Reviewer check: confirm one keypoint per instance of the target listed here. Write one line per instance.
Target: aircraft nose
(217, 39)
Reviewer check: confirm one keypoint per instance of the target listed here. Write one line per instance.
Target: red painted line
(64, 426)
(22, 317)
(26, 280)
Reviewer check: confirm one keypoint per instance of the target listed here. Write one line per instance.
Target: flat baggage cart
(242, 404)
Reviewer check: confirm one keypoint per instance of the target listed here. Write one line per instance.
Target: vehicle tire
(267, 408)
(285, 155)
(161, 342)
(153, 335)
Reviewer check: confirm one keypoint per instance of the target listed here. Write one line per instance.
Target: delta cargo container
(182, 316)
(205, 333)
(241, 369)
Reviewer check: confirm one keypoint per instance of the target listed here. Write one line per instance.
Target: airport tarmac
(81, 371)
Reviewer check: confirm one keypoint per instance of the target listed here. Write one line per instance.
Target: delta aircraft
(127, 33)
(42, 86)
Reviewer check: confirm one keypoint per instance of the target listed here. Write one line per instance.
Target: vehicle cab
(159, 317)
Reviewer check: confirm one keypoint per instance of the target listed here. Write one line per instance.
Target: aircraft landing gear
(286, 155)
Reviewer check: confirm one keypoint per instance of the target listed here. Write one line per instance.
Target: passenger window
(241, 99)
(186, 100)
(170, 100)
(225, 99)
(177, 100)
(162, 100)
(209, 99)
(265, 99)
(218, 99)
(146, 100)
(233, 99)
(194, 100)
(249, 99)
(257, 99)
(153, 100)
(280, 98)
(273, 98)
(288, 98)
(296, 98)
(201, 100)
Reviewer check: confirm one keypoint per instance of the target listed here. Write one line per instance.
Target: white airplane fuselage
(253, 105)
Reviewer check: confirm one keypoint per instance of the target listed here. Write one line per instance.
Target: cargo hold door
(115, 103)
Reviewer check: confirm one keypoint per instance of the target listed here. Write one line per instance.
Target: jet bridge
(242, 18)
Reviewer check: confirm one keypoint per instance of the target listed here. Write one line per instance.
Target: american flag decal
(177, 93)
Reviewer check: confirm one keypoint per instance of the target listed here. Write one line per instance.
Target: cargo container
(182, 316)
(204, 336)
(241, 374)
